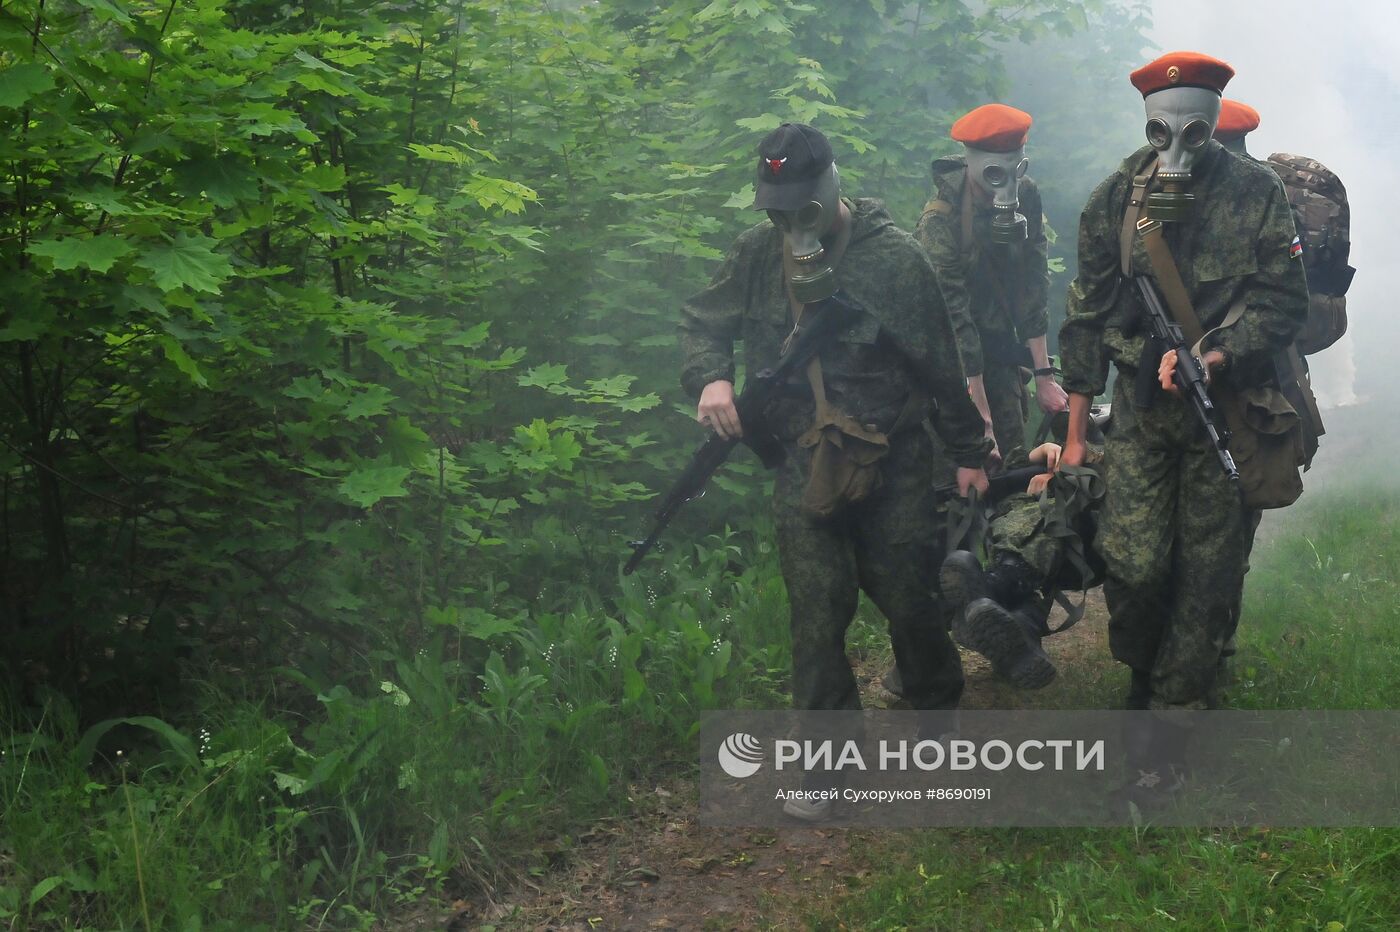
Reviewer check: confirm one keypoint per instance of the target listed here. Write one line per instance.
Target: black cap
(791, 160)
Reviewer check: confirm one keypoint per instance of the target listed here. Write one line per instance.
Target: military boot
(962, 579)
(1009, 639)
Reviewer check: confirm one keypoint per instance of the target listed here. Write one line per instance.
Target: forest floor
(659, 869)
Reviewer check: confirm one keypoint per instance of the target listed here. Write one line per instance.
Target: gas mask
(1180, 121)
(1000, 173)
(812, 277)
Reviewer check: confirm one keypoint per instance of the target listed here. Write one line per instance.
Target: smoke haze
(1325, 78)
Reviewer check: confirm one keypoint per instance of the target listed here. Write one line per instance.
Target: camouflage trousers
(1016, 530)
(1008, 404)
(1175, 538)
(887, 546)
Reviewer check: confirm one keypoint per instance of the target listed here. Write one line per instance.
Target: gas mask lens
(995, 176)
(1195, 134)
(1159, 134)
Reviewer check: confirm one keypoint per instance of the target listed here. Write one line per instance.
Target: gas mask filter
(1000, 174)
(1180, 121)
(812, 277)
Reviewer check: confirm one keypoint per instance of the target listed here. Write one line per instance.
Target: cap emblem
(1173, 74)
(776, 165)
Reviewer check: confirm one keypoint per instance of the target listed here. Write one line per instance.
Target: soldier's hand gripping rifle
(819, 322)
(1190, 375)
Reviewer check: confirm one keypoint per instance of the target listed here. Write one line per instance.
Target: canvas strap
(1169, 281)
(1136, 198)
(798, 309)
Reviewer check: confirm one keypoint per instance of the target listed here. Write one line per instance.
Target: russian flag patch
(1295, 249)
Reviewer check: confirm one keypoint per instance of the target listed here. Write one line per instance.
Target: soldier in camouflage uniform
(991, 264)
(1174, 532)
(897, 357)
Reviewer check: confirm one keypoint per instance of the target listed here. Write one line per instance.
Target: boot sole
(996, 635)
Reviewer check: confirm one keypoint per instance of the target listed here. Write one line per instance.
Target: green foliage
(339, 339)
(437, 768)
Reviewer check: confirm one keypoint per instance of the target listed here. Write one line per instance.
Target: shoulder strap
(1130, 218)
(824, 412)
(1169, 280)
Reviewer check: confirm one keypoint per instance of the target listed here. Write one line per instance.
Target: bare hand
(1047, 453)
(1073, 454)
(1166, 370)
(972, 479)
(1210, 362)
(717, 412)
(994, 459)
(1049, 395)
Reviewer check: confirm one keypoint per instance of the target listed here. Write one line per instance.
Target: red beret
(1236, 120)
(993, 128)
(1182, 69)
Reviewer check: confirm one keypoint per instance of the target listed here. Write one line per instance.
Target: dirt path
(660, 870)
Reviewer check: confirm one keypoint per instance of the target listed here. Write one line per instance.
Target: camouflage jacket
(902, 341)
(1237, 247)
(993, 292)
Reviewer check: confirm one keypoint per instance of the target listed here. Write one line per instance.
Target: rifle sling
(1173, 288)
(1130, 218)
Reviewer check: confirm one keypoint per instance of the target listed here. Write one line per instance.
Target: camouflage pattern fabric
(1017, 530)
(996, 294)
(1175, 539)
(887, 544)
(902, 341)
(1041, 531)
(890, 547)
(1174, 534)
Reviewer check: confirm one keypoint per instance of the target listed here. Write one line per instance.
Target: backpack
(1323, 219)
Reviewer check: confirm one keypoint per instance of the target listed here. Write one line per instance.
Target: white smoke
(1325, 78)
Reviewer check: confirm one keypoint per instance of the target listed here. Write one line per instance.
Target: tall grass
(316, 803)
(1319, 630)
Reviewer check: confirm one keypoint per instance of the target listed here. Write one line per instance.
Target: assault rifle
(1190, 374)
(819, 322)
